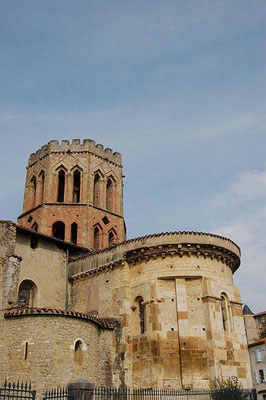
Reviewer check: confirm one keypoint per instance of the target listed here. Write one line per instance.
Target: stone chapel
(80, 302)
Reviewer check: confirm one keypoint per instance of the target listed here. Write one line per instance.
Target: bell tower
(74, 192)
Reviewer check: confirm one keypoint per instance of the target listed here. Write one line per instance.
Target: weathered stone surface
(146, 312)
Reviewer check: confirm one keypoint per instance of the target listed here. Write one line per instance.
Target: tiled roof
(16, 312)
(247, 310)
(258, 342)
(53, 239)
(155, 235)
(259, 314)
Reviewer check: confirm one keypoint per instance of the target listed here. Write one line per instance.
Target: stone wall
(9, 264)
(44, 265)
(27, 256)
(41, 349)
(180, 283)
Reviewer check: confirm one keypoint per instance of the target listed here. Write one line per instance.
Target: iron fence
(59, 394)
(110, 393)
(19, 390)
(23, 391)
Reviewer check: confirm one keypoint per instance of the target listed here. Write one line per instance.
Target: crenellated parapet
(87, 146)
(74, 191)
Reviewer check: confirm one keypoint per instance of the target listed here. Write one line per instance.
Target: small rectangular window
(26, 350)
(258, 355)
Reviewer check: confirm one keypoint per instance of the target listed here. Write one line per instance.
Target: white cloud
(248, 230)
(246, 190)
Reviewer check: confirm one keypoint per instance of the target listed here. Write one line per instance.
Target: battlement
(76, 146)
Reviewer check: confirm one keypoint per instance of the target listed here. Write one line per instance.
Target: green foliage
(263, 325)
(227, 389)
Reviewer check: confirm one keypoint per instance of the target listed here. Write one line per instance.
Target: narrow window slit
(76, 187)
(61, 186)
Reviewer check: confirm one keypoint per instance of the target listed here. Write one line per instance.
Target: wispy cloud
(247, 227)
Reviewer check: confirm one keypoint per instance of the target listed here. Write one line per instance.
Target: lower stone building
(156, 311)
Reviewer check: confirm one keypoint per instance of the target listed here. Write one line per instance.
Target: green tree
(263, 332)
(227, 389)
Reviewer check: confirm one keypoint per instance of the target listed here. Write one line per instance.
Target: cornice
(185, 249)
(162, 251)
(32, 311)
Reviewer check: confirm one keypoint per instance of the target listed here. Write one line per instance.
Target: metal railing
(23, 391)
(110, 393)
(19, 390)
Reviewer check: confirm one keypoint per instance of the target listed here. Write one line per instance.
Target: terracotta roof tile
(16, 312)
(258, 342)
(259, 314)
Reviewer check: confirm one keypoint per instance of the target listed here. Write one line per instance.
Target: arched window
(42, 186)
(33, 184)
(96, 190)
(61, 186)
(79, 355)
(58, 230)
(224, 311)
(27, 293)
(110, 195)
(74, 232)
(96, 238)
(76, 186)
(141, 316)
(111, 239)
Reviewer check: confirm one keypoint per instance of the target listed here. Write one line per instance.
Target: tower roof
(247, 310)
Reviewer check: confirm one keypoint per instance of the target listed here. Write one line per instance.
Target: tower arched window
(96, 238)
(111, 238)
(110, 194)
(76, 186)
(27, 293)
(34, 187)
(42, 177)
(58, 230)
(61, 186)
(74, 232)
(96, 189)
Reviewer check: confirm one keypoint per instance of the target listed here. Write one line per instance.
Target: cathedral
(81, 302)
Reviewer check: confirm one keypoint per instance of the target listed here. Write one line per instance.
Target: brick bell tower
(74, 192)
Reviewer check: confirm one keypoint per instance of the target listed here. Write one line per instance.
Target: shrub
(227, 389)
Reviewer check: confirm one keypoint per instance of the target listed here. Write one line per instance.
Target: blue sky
(178, 87)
